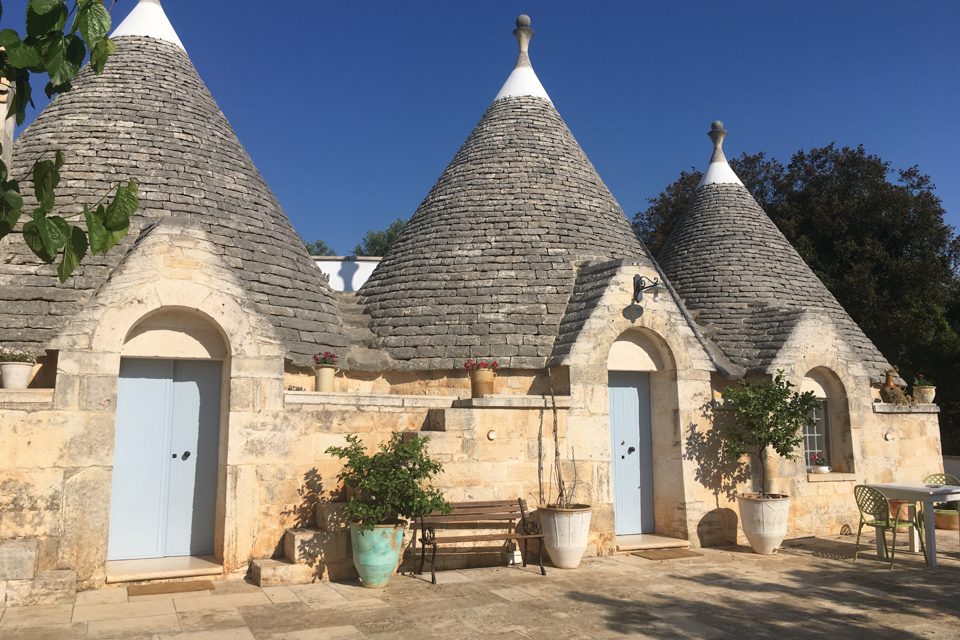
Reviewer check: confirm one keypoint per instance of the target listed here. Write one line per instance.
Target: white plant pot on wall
(15, 375)
(565, 534)
(764, 520)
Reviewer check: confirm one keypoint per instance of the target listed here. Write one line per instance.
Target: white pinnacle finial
(148, 19)
(719, 171)
(523, 81)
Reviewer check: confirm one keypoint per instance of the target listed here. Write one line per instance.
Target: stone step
(267, 572)
(315, 547)
(645, 541)
(47, 587)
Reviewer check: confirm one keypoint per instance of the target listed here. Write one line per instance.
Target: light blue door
(632, 448)
(165, 459)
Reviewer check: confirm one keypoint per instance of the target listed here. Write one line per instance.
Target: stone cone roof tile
(745, 284)
(486, 265)
(149, 116)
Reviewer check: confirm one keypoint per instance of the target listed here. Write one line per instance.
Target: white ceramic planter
(764, 520)
(924, 394)
(565, 534)
(325, 376)
(15, 375)
(821, 468)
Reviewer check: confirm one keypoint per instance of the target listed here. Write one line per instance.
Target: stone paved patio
(810, 590)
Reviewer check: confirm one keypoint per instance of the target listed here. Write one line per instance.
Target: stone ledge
(356, 400)
(885, 407)
(512, 402)
(833, 476)
(26, 398)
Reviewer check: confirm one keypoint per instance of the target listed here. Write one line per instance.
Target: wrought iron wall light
(642, 284)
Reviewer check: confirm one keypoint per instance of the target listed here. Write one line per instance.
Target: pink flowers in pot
(472, 364)
(325, 359)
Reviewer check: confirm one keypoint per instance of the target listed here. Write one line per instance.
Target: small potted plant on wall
(924, 389)
(15, 368)
(384, 490)
(760, 416)
(482, 373)
(946, 516)
(818, 464)
(325, 365)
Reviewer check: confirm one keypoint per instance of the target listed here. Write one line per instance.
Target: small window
(816, 435)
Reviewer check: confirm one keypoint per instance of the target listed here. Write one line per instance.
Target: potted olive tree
(762, 415)
(384, 489)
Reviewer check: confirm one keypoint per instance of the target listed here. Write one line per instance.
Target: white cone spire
(719, 171)
(523, 81)
(148, 19)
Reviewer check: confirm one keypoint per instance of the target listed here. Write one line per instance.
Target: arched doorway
(166, 452)
(639, 369)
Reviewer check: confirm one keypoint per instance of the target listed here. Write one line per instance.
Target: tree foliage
(877, 239)
(377, 243)
(57, 40)
(761, 414)
(390, 484)
(320, 248)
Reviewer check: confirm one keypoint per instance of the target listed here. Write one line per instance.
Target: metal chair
(875, 512)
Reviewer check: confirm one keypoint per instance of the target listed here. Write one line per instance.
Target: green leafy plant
(47, 48)
(765, 413)
(923, 381)
(391, 484)
(17, 355)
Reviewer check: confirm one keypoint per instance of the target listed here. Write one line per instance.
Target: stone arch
(176, 332)
(831, 393)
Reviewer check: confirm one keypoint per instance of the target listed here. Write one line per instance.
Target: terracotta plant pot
(15, 375)
(325, 374)
(565, 534)
(924, 394)
(764, 520)
(947, 519)
(481, 382)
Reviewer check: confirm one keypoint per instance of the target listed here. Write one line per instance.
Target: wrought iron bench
(497, 514)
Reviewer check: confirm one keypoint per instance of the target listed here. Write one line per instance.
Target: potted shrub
(384, 489)
(946, 516)
(766, 414)
(482, 373)
(565, 523)
(819, 464)
(15, 368)
(325, 366)
(924, 389)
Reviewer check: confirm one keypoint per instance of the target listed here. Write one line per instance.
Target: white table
(928, 494)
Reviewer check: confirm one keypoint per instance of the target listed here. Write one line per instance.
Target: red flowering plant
(325, 359)
(818, 460)
(472, 364)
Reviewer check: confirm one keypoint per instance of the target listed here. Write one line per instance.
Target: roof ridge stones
(743, 282)
(150, 117)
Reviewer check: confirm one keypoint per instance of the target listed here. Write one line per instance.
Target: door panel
(166, 459)
(632, 451)
(191, 502)
(138, 499)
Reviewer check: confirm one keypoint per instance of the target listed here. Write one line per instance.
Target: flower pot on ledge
(325, 375)
(15, 375)
(481, 382)
(924, 394)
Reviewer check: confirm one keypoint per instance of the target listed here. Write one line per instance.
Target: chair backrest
(942, 478)
(871, 502)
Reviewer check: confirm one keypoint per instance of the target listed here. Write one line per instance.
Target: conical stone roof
(745, 284)
(150, 117)
(486, 265)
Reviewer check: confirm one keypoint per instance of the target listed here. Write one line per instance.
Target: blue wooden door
(632, 449)
(165, 459)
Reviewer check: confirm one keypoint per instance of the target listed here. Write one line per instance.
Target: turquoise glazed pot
(376, 553)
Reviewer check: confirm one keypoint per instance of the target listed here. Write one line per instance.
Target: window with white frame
(816, 435)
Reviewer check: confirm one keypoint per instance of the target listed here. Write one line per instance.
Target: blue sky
(352, 109)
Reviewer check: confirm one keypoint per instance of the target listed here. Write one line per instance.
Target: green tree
(320, 248)
(377, 243)
(57, 39)
(877, 239)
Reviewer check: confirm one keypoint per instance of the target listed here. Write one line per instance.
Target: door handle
(631, 450)
(186, 454)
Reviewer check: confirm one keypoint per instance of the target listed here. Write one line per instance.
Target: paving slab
(132, 627)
